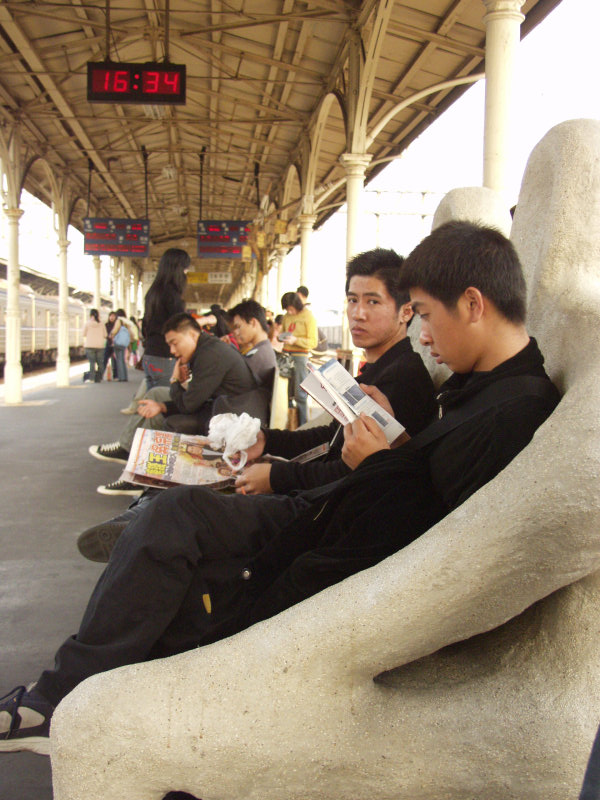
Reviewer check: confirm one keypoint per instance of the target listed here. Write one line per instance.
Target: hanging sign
(105, 236)
(222, 238)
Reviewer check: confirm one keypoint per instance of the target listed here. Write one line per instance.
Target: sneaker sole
(93, 451)
(96, 544)
(129, 492)
(34, 744)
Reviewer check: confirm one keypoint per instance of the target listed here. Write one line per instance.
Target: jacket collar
(403, 346)
(458, 388)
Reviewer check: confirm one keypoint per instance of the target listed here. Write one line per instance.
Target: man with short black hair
(249, 326)
(379, 314)
(205, 368)
(256, 561)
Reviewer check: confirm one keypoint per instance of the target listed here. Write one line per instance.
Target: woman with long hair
(109, 350)
(121, 337)
(94, 339)
(163, 299)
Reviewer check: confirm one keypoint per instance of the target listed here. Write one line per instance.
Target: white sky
(556, 81)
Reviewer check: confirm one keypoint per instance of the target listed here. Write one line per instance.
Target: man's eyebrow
(415, 305)
(364, 294)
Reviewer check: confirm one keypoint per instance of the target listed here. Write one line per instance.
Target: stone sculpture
(465, 666)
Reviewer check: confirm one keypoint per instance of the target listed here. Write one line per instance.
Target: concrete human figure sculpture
(465, 665)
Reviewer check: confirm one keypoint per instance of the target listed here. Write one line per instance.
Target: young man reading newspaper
(466, 284)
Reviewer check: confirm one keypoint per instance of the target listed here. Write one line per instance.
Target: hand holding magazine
(339, 394)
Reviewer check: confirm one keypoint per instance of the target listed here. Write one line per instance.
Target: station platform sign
(194, 278)
(107, 236)
(223, 238)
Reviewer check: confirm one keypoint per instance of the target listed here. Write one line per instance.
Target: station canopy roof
(257, 74)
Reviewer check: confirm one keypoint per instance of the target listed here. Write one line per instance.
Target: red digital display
(108, 236)
(221, 238)
(160, 82)
(136, 83)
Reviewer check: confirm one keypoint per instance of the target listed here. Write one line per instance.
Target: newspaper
(338, 393)
(163, 459)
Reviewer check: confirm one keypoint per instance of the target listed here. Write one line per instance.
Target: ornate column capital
(13, 214)
(355, 164)
(307, 221)
(503, 9)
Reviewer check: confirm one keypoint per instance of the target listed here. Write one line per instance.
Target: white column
(502, 25)
(13, 371)
(98, 282)
(139, 296)
(307, 222)
(355, 165)
(63, 362)
(114, 274)
(264, 290)
(281, 254)
(127, 271)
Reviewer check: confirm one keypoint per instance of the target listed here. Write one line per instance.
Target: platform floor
(48, 492)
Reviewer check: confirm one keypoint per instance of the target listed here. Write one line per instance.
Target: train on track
(39, 327)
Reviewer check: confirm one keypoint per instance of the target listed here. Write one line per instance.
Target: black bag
(321, 341)
(285, 365)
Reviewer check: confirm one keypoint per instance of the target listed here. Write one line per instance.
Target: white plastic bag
(233, 434)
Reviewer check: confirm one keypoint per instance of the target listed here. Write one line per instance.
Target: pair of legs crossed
(175, 576)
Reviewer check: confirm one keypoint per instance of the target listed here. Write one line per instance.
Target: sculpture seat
(466, 665)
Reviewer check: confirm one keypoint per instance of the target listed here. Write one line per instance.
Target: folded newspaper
(163, 459)
(337, 392)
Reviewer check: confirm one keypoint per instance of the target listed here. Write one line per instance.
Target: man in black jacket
(379, 313)
(196, 566)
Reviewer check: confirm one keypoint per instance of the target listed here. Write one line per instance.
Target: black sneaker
(109, 452)
(121, 487)
(96, 543)
(25, 721)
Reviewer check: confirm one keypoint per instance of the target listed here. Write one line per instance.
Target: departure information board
(151, 83)
(104, 236)
(222, 238)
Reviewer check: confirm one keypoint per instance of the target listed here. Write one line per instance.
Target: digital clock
(150, 83)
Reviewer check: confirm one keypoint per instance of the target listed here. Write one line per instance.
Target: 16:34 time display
(136, 83)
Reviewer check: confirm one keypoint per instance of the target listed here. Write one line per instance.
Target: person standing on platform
(321, 345)
(94, 339)
(109, 351)
(163, 300)
(121, 337)
(299, 337)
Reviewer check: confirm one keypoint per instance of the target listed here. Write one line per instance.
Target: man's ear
(474, 303)
(406, 312)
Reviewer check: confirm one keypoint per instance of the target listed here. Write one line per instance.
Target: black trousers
(174, 576)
